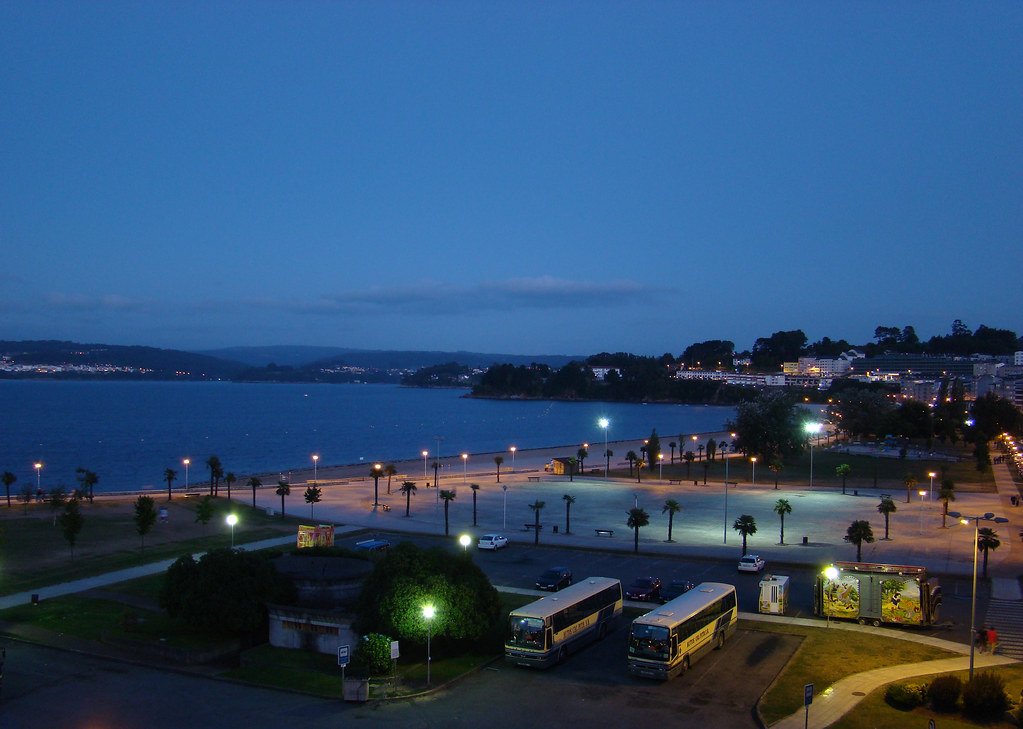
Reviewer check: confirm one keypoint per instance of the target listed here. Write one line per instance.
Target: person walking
(980, 639)
(992, 639)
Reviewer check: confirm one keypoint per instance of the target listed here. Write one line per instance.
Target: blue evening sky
(527, 177)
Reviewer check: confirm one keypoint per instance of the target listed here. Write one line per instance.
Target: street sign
(343, 652)
(808, 694)
(394, 650)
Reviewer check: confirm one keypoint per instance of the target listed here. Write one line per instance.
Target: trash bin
(806, 540)
(35, 598)
(555, 528)
(856, 492)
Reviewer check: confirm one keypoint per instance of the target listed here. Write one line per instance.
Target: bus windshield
(526, 632)
(648, 641)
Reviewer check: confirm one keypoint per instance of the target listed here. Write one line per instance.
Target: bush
(984, 697)
(372, 656)
(943, 693)
(905, 696)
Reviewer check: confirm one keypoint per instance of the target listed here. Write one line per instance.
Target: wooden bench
(674, 480)
(604, 532)
(534, 478)
(531, 527)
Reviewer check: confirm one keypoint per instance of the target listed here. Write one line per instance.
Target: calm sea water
(129, 432)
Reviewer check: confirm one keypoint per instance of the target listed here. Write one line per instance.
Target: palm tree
(673, 445)
(887, 508)
(689, 457)
(672, 507)
(637, 518)
(723, 448)
(842, 471)
(87, 479)
(711, 449)
(987, 539)
(312, 497)
(436, 470)
(572, 463)
(775, 467)
(254, 483)
(216, 472)
(498, 460)
(858, 533)
(582, 455)
(475, 487)
(746, 525)
(569, 500)
(607, 463)
(631, 457)
(408, 488)
(639, 469)
(283, 489)
(910, 481)
(700, 448)
(946, 494)
(781, 508)
(169, 475)
(8, 478)
(536, 506)
(391, 470)
(229, 478)
(447, 497)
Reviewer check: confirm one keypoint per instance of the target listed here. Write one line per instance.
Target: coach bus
(545, 631)
(667, 640)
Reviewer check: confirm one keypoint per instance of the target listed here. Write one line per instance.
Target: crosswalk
(1006, 617)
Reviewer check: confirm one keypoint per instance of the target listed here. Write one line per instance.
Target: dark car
(644, 589)
(554, 579)
(675, 588)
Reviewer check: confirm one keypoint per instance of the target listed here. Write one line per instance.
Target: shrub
(372, 656)
(904, 696)
(984, 697)
(943, 693)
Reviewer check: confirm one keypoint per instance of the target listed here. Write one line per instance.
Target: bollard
(35, 598)
(555, 528)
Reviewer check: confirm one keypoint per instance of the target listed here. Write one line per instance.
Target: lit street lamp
(465, 462)
(504, 520)
(376, 483)
(38, 465)
(465, 540)
(922, 495)
(232, 519)
(426, 474)
(315, 459)
(186, 462)
(605, 423)
(976, 536)
(428, 613)
(811, 430)
(694, 442)
(513, 449)
(932, 474)
(660, 466)
(753, 460)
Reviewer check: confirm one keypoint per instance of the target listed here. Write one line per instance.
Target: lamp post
(605, 423)
(726, 502)
(504, 520)
(376, 483)
(428, 613)
(315, 459)
(186, 462)
(660, 466)
(694, 442)
(426, 474)
(513, 449)
(922, 495)
(465, 466)
(753, 460)
(964, 519)
(931, 474)
(465, 540)
(232, 519)
(38, 465)
(811, 430)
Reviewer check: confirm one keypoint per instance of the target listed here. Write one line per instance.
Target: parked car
(644, 589)
(751, 563)
(492, 541)
(554, 579)
(675, 588)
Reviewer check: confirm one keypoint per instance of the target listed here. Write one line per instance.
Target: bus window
(648, 641)
(526, 632)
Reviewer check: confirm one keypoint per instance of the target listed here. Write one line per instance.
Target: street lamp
(922, 495)
(513, 449)
(465, 462)
(465, 540)
(504, 520)
(186, 462)
(428, 613)
(426, 474)
(811, 429)
(605, 424)
(315, 459)
(932, 474)
(660, 466)
(963, 518)
(694, 442)
(38, 465)
(232, 519)
(376, 482)
(753, 460)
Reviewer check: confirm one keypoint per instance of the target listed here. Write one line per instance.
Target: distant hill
(74, 359)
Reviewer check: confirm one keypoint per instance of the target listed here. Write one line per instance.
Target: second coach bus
(667, 640)
(545, 631)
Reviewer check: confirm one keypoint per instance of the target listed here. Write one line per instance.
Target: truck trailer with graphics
(877, 593)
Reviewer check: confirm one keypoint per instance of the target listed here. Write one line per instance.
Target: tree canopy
(769, 427)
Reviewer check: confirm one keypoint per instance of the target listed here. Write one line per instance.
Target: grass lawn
(874, 713)
(828, 655)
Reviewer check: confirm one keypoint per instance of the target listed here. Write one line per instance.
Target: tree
(987, 540)
(390, 470)
(71, 522)
(475, 489)
(447, 497)
(254, 483)
(25, 497)
(781, 508)
(712, 447)
(858, 533)
(842, 471)
(723, 448)
(637, 518)
(87, 480)
(216, 473)
(886, 508)
(498, 460)
(582, 455)
(672, 507)
(204, 511)
(145, 517)
(56, 499)
(312, 497)
(536, 506)
(8, 478)
(572, 463)
(673, 445)
(946, 493)
(229, 478)
(775, 467)
(169, 475)
(569, 500)
(607, 462)
(910, 481)
(653, 449)
(639, 469)
(631, 457)
(688, 457)
(771, 426)
(699, 455)
(408, 488)
(746, 525)
(283, 489)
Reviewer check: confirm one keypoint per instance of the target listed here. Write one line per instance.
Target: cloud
(102, 302)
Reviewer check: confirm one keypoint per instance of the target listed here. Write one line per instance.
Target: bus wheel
(721, 641)
(562, 655)
(685, 664)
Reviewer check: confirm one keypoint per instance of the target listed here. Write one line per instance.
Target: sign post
(807, 700)
(343, 654)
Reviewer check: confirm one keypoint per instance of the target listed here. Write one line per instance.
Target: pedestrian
(980, 639)
(992, 639)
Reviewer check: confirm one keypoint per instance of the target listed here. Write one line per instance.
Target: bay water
(130, 432)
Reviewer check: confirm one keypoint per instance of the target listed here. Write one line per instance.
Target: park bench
(530, 527)
(534, 478)
(604, 532)
(674, 480)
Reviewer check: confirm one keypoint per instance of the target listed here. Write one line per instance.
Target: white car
(751, 563)
(492, 541)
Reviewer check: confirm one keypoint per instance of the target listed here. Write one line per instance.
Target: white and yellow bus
(667, 640)
(547, 630)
